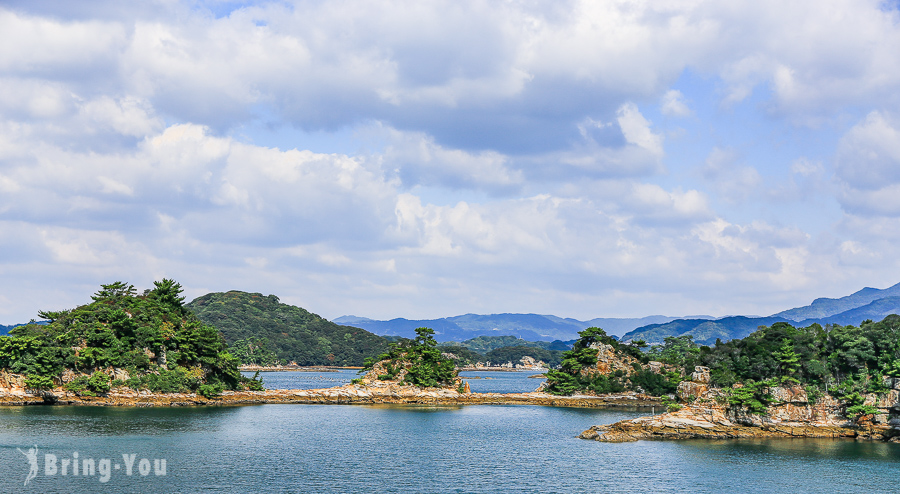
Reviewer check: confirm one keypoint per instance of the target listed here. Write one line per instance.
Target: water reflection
(803, 449)
(111, 421)
(390, 448)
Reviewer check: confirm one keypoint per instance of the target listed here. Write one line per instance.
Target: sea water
(361, 448)
(479, 381)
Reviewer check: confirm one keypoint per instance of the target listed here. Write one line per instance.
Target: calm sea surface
(338, 448)
(479, 381)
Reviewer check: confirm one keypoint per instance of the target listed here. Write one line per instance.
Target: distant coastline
(293, 368)
(349, 394)
(502, 369)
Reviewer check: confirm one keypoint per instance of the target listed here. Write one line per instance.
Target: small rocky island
(780, 381)
(709, 414)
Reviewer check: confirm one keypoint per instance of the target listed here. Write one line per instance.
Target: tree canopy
(421, 359)
(261, 330)
(150, 336)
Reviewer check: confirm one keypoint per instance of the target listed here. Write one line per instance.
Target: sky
(388, 158)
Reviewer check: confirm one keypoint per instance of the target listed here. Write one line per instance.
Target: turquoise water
(344, 448)
(305, 380)
(486, 382)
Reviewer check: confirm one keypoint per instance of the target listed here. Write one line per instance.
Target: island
(780, 381)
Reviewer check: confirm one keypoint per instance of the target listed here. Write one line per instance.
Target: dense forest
(261, 330)
(843, 361)
(158, 344)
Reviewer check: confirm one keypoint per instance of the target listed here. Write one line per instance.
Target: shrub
(255, 383)
(856, 411)
(79, 386)
(753, 395)
(98, 382)
(39, 382)
(210, 391)
(813, 393)
(653, 383)
(856, 407)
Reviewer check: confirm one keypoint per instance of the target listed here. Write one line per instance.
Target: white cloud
(733, 183)
(868, 155)
(636, 130)
(420, 161)
(868, 167)
(123, 151)
(673, 104)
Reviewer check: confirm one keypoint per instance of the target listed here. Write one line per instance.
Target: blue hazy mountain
(868, 303)
(4, 330)
(532, 327)
(825, 307)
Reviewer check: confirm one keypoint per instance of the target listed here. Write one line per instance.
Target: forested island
(261, 330)
(807, 379)
(122, 339)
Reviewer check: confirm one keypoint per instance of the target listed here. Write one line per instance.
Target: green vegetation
(846, 362)
(261, 330)
(839, 359)
(752, 395)
(161, 346)
(421, 358)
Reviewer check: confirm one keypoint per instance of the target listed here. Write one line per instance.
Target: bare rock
(700, 375)
(690, 391)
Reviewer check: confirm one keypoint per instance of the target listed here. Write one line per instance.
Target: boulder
(700, 375)
(690, 391)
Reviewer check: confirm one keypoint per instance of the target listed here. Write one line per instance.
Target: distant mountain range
(532, 327)
(298, 335)
(868, 303)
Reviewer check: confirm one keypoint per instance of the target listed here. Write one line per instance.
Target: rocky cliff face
(609, 361)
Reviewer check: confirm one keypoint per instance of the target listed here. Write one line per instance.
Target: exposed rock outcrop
(609, 361)
(706, 422)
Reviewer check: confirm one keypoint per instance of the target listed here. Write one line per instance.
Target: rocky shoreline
(695, 422)
(356, 394)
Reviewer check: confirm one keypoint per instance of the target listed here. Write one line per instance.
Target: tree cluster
(423, 361)
(570, 379)
(163, 347)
